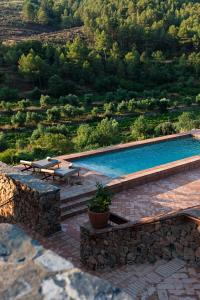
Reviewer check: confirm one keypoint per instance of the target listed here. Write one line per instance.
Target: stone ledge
(34, 183)
(31, 272)
(172, 235)
(30, 201)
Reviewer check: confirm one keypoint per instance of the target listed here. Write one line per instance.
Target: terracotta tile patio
(177, 279)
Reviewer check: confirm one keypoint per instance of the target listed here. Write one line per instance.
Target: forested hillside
(126, 58)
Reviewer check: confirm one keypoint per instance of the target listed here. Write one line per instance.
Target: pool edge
(148, 175)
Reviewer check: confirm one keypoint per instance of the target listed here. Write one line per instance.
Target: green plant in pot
(98, 207)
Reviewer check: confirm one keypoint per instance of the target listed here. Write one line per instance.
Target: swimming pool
(127, 161)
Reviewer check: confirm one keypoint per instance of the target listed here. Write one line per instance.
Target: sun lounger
(40, 164)
(62, 173)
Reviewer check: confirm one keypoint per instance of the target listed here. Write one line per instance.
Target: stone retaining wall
(173, 236)
(26, 200)
(31, 272)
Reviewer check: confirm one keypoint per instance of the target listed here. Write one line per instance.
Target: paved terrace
(163, 280)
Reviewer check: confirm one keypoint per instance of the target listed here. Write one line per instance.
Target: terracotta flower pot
(99, 220)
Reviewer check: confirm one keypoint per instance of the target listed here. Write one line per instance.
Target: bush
(109, 108)
(140, 128)
(53, 143)
(53, 114)
(101, 201)
(45, 101)
(18, 119)
(185, 122)
(69, 99)
(198, 99)
(3, 142)
(24, 103)
(9, 156)
(95, 111)
(32, 118)
(165, 129)
(104, 134)
(163, 105)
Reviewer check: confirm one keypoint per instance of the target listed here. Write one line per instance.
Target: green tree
(18, 119)
(165, 129)
(32, 118)
(28, 11)
(45, 100)
(23, 104)
(140, 128)
(52, 143)
(185, 122)
(3, 142)
(83, 138)
(42, 16)
(53, 114)
(198, 99)
(32, 66)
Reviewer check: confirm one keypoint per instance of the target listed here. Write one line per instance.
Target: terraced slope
(13, 28)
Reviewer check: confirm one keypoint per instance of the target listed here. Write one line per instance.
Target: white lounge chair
(62, 173)
(40, 164)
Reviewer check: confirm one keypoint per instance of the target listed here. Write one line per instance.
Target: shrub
(185, 122)
(9, 156)
(45, 100)
(122, 107)
(18, 119)
(109, 108)
(53, 114)
(54, 143)
(165, 129)
(101, 201)
(24, 103)
(140, 128)
(95, 111)
(32, 118)
(3, 142)
(69, 99)
(198, 99)
(163, 105)
(104, 134)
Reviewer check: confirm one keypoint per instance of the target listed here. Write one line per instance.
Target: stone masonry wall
(127, 244)
(31, 272)
(26, 200)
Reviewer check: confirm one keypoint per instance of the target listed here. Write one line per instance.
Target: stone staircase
(74, 205)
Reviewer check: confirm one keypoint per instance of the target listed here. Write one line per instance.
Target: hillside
(13, 28)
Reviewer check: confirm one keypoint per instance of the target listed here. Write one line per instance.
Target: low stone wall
(26, 200)
(31, 272)
(166, 238)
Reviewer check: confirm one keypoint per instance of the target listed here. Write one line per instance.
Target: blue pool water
(127, 161)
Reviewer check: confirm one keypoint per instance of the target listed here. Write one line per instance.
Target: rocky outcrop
(31, 272)
(27, 200)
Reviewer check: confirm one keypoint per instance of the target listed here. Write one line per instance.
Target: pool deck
(143, 281)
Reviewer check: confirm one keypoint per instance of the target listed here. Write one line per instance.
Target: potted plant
(98, 207)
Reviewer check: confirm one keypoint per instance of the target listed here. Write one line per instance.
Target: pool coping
(147, 175)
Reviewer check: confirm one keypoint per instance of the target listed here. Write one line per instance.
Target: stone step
(73, 212)
(78, 196)
(65, 206)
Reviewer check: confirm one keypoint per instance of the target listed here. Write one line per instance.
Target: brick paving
(162, 280)
(163, 196)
